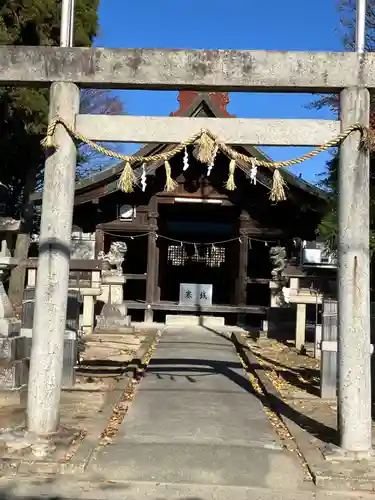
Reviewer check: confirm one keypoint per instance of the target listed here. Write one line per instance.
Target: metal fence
(329, 349)
(328, 359)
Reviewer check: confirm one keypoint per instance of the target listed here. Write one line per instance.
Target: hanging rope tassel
(48, 142)
(367, 139)
(170, 184)
(204, 148)
(278, 187)
(230, 184)
(127, 180)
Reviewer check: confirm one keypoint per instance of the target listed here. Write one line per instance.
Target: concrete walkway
(195, 420)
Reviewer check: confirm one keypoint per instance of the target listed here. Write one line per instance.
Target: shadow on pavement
(201, 367)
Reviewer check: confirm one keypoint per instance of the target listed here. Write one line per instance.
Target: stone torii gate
(351, 75)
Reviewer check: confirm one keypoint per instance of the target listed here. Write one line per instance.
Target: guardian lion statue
(278, 261)
(116, 255)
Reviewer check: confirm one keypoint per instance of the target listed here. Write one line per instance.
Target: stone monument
(13, 347)
(9, 325)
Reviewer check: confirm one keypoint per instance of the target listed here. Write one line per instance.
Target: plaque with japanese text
(196, 294)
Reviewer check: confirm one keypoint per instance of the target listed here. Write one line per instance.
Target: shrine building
(199, 249)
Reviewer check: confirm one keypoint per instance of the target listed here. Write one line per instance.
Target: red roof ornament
(220, 100)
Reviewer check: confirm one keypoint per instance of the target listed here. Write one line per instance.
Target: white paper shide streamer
(253, 172)
(211, 164)
(186, 160)
(144, 178)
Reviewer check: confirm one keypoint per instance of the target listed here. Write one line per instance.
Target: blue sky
(218, 24)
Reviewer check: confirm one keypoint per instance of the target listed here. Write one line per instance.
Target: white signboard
(196, 294)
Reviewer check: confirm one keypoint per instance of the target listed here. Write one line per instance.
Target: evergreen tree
(328, 228)
(329, 225)
(24, 111)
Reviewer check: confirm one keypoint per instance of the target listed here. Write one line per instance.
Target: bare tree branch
(97, 102)
(347, 9)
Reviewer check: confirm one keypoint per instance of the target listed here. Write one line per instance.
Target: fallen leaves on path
(281, 429)
(120, 410)
(288, 370)
(118, 414)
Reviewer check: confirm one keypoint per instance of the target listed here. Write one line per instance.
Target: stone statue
(278, 261)
(116, 255)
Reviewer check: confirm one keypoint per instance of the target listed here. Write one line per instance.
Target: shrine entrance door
(198, 254)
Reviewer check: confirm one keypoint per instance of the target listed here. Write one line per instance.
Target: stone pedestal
(88, 316)
(301, 326)
(113, 317)
(112, 288)
(114, 314)
(276, 294)
(281, 323)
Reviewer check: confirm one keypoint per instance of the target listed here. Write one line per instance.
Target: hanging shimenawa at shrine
(200, 247)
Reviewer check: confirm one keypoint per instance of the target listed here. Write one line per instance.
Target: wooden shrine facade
(200, 234)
